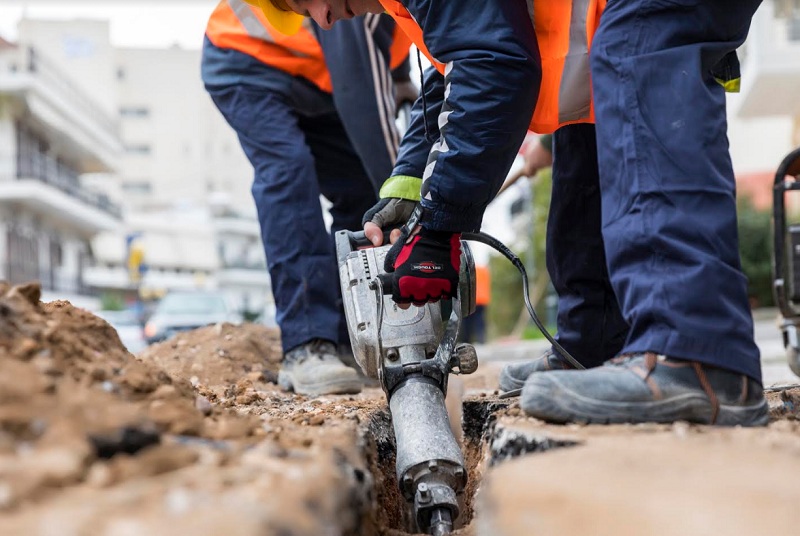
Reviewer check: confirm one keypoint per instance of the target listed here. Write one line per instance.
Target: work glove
(399, 196)
(389, 212)
(424, 264)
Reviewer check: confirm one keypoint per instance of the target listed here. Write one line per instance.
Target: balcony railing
(50, 171)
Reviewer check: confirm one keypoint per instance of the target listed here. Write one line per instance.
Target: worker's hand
(387, 213)
(425, 266)
(536, 157)
(405, 91)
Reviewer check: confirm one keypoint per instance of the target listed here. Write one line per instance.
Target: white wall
(194, 152)
(757, 144)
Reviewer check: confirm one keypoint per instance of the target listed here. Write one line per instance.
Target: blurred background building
(118, 177)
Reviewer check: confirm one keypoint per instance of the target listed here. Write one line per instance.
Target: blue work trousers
(666, 179)
(299, 150)
(590, 324)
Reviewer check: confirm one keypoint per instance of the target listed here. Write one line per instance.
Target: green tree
(755, 248)
(507, 314)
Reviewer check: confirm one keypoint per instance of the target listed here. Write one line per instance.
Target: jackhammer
(412, 352)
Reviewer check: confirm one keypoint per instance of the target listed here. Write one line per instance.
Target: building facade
(135, 144)
(51, 133)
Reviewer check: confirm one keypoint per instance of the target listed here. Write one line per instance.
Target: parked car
(187, 310)
(128, 328)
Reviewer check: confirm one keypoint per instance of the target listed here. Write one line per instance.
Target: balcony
(49, 170)
(50, 99)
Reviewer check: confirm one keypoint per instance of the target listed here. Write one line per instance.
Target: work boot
(646, 388)
(513, 375)
(314, 369)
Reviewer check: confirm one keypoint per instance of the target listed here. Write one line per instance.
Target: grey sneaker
(314, 369)
(646, 388)
(513, 375)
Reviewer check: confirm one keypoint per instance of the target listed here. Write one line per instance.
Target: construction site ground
(192, 436)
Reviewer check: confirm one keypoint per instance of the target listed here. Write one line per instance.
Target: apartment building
(176, 169)
(51, 133)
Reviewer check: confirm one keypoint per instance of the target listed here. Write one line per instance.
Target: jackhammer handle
(359, 240)
(386, 284)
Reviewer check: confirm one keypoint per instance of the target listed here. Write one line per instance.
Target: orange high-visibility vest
(237, 25)
(401, 44)
(483, 285)
(564, 32)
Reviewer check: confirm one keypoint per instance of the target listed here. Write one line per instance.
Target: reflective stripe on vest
(564, 32)
(236, 25)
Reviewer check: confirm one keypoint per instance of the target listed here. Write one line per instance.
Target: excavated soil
(192, 436)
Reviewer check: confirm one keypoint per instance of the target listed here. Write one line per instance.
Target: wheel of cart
(786, 261)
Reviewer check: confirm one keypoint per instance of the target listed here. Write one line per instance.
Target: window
(138, 149)
(137, 187)
(134, 111)
(794, 28)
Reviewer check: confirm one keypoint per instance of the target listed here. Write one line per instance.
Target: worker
(314, 113)
(666, 182)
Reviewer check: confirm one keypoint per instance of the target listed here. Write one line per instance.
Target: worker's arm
(400, 193)
(490, 87)
(538, 155)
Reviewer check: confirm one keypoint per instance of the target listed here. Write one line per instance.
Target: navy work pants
(666, 179)
(299, 149)
(590, 325)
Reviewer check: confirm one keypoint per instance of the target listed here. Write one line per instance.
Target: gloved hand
(424, 265)
(399, 196)
(389, 212)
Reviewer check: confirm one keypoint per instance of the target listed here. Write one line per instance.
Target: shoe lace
(320, 349)
(650, 360)
(619, 360)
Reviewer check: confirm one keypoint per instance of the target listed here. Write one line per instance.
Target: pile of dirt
(194, 437)
(219, 355)
(190, 437)
(70, 394)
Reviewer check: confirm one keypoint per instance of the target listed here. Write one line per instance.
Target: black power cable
(494, 243)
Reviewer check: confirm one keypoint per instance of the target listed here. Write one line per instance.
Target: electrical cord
(494, 243)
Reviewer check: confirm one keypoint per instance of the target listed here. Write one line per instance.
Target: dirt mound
(70, 394)
(191, 437)
(219, 355)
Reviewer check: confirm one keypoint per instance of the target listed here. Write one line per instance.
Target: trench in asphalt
(484, 445)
